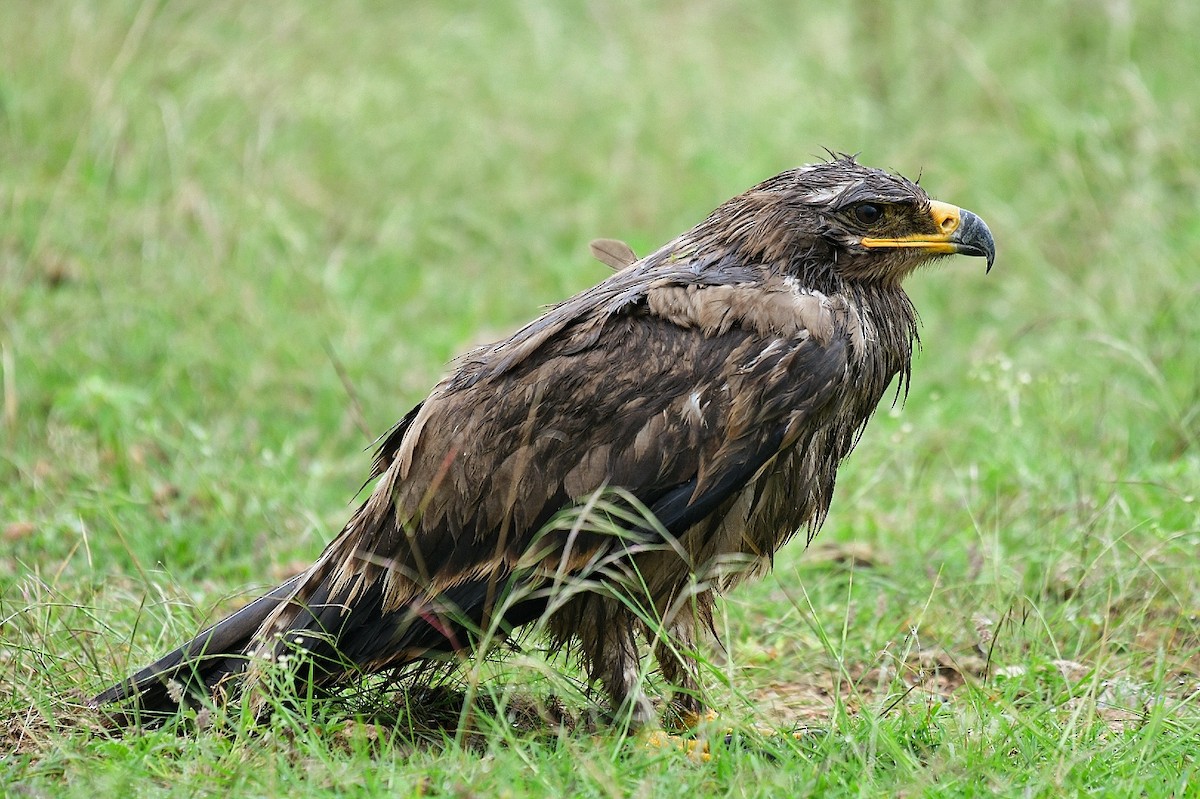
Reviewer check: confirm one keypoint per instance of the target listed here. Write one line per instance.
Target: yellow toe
(695, 749)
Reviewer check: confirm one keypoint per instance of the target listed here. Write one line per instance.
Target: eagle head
(859, 223)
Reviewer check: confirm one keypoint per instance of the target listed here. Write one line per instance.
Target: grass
(239, 240)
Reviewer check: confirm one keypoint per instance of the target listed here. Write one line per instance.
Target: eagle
(606, 471)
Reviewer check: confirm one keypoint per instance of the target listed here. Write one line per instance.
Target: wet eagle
(610, 467)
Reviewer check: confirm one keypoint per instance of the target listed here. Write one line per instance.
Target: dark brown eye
(868, 213)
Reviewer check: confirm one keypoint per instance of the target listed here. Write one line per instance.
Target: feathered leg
(679, 670)
(611, 658)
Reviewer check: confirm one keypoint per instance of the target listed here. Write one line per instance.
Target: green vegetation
(237, 240)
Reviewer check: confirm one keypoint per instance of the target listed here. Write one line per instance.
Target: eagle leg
(679, 670)
(611, 658)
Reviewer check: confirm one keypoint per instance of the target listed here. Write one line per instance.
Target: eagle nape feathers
(607, 469)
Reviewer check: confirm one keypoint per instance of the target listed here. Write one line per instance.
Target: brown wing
(679, 398)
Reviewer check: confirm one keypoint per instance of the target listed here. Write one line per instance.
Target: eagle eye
(868, 213)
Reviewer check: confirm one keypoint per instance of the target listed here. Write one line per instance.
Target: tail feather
(341, 637)
(337, 637)
(205, 660)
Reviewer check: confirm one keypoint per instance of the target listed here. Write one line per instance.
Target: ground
(238, 241)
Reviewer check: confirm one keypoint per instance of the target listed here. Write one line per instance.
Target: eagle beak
(959, 231)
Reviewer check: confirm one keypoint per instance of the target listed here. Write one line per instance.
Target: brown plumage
(717, 383)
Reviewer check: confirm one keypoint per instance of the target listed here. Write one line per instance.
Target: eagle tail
(366, 636)
(200, 664)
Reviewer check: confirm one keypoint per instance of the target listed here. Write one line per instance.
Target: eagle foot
(694, 748)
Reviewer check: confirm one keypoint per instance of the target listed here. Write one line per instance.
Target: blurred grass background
(209, 209)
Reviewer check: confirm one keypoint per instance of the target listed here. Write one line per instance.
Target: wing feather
(679, 413)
